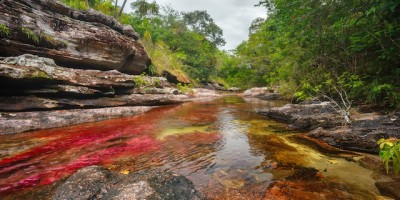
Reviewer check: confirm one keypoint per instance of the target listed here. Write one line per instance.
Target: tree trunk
(115, 8)
(122, 8)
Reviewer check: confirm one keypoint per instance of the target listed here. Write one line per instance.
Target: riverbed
(225, 148)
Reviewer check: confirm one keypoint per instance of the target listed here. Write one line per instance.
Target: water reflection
(223, 146)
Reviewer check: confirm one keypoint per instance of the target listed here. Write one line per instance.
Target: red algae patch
(63, 151)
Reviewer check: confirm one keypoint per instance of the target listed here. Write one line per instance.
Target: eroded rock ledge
(326, 124)
(73, 38)
(36, 94)
(11, 123)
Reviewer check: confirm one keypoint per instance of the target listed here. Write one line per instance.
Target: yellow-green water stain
(183, 130)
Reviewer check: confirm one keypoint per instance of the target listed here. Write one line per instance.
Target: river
(222, 145)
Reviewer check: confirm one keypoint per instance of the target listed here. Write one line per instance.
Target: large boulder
(98, 183)
(73, 38)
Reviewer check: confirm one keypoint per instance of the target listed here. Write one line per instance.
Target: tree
(115, 8)
(144, 9)
(256, 25)
(201, 22)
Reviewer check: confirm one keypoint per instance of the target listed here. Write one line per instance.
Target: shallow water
(223, 146)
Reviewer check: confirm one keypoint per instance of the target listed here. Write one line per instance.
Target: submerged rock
(98, 183)
(81, 39)
(324, 189)
(389, 188)
(11, 123)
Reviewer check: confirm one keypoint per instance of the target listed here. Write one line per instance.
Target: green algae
(184, 130)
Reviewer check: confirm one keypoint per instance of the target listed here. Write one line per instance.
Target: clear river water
(223, 146)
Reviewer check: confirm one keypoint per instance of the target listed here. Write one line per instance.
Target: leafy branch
(390, 151)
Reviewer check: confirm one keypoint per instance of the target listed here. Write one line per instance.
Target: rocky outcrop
(33, 72)
(51, 103)
(305, 116)
(36, 94)
(362, 134)
(98, 183)
(72, 38)
(263, 93)
(327, 125)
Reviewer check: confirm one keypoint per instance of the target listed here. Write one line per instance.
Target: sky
(233, 16)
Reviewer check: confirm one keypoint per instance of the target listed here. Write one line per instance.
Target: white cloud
(233, 16)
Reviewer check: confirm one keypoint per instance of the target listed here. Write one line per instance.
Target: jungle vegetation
(303, 48)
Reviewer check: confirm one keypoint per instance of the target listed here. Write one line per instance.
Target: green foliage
(146, 82)
(40, 74)
(104, 6)
(185, 88)
(180, 47)
(163, 59)
(151, 70)
(30, 35)
(390, 151)
(144, 9)
(201, 22)
(379, 93)
(306, 45)
(4, 31)
(157, 83)
(140, 81)
(77, 4)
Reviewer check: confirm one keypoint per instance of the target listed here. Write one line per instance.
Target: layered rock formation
(38, 94)
(88, 60)
(72, 38)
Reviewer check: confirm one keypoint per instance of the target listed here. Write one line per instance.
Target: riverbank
(323, 127)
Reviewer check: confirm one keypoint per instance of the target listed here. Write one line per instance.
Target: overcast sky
(233, 16)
